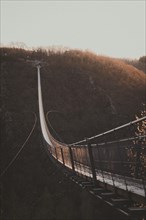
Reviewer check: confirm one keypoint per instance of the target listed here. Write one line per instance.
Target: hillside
(92, 94)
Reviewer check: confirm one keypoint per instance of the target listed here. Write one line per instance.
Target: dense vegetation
(139, 64)
(92, 94)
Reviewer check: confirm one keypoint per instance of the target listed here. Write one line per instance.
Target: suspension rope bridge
(112, 168)
(106, 167)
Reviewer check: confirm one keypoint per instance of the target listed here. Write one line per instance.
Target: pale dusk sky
(113, 28)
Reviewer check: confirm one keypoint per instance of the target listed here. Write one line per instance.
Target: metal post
(87, 163)
(78, 162)
(81, 164)
(100, 165)
(138, 162)
(56, 153)
(92, 162)
(50, 149)
(121, 163)
(75, 161)
(71, 159)
(62, 155)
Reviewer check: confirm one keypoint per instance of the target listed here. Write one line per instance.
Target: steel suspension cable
(112, 130)
(21, 148)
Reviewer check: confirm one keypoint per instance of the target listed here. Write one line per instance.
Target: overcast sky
(113, 28)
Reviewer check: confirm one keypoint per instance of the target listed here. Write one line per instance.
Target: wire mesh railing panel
(67, 158)
(52, 150)
(121, 157)
(81, 160)
(76, 159)
(59, 154)
(121, 163)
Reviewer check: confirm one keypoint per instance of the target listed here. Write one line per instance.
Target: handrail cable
(120, 140)
(112, 130)
(19, 151)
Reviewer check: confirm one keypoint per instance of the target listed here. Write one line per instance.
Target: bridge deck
(133, 185)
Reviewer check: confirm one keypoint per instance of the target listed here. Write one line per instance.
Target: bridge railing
(111, 162)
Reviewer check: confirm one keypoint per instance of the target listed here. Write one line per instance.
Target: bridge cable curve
(21, 148)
